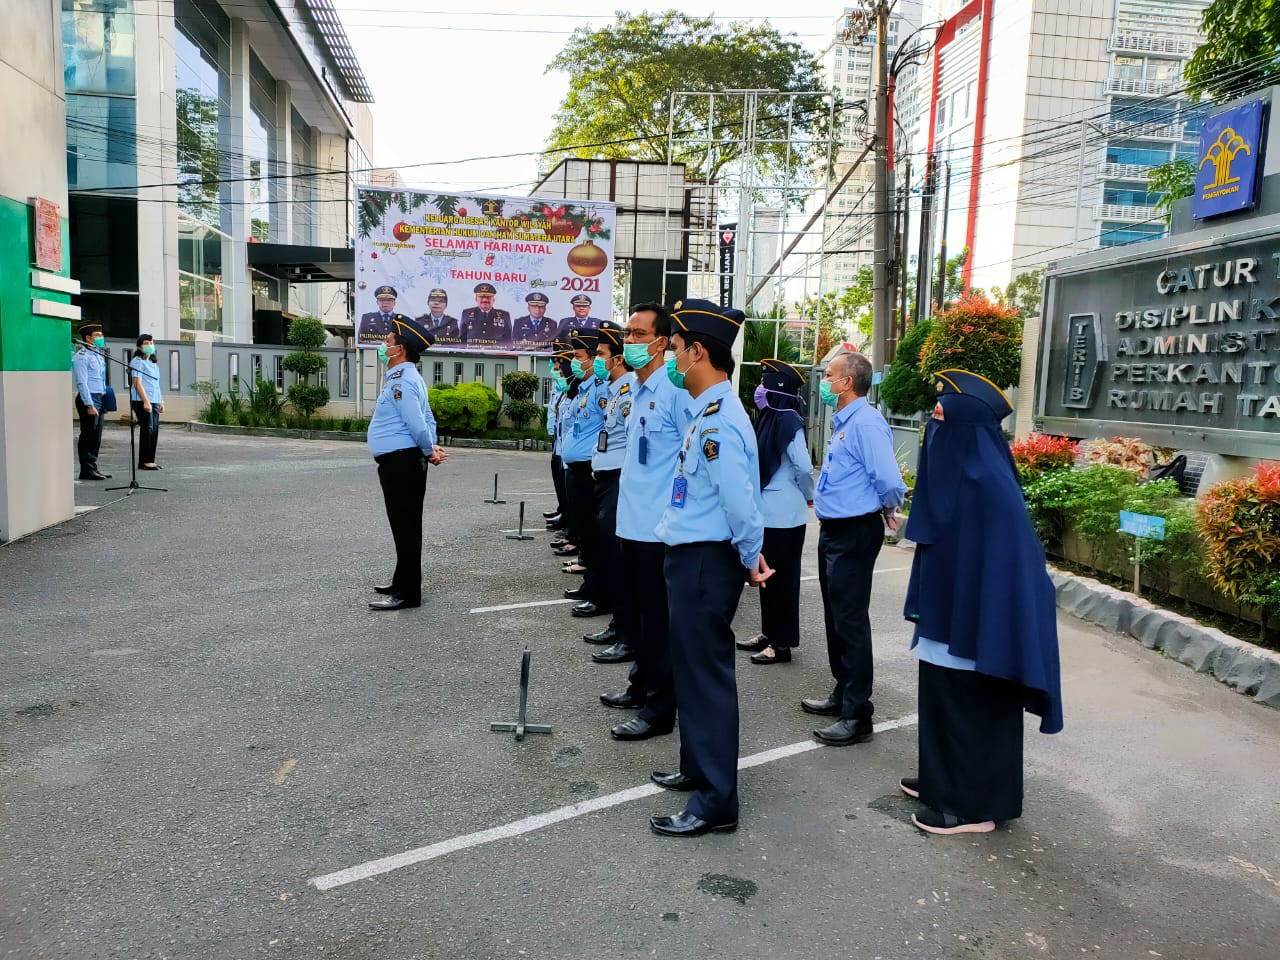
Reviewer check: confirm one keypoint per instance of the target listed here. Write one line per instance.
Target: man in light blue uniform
(558, 360)
(606, 466)
(655, 429)
(714, 531)
(859, 491)
(89, 371)
(402, 439)
(586, 416)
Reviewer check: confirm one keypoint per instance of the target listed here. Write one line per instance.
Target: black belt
(607, 474)
(579, 466)
(398, 454)
(838, 522)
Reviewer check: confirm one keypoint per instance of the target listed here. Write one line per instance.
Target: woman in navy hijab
(986, 628)
(786, 494)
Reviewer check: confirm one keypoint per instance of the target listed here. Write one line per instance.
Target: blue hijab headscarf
(781, 416)
(978, 580)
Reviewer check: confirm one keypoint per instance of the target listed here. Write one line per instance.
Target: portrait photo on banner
(485, 273)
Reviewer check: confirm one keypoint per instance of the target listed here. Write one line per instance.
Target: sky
(455, 81)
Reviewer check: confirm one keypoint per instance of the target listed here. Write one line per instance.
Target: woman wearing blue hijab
(986, 627)
(786, 494)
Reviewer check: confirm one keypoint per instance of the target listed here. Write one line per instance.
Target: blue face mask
(636, 355)
(600, 368)
(561, 383)
(149, 349)
(576, 366)
(674, 375)
(828, 396)
(382, 352)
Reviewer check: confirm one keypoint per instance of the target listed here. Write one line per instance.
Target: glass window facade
(98, 46)
(260, 150)
(203, 104)
(302, 185)
(200, 252)
(1118, 235)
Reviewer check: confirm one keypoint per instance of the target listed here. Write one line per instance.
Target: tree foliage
(1022, 294)
(519, 389)
(977, 335)
(1169, 182)
(621, 78)
(307, 333)
(1239, 53)
(468, 408)
(906, 390)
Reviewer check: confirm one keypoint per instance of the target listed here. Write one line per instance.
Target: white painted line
(519, 606)
(518, 828)
(814, 576)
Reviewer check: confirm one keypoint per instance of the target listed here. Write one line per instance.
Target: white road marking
(814, 576)
(519, 606)
(520, 827)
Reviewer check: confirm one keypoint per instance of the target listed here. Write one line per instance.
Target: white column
(282, 187)
(237, 295)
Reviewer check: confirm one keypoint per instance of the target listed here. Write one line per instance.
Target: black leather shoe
(685, 824)
(393, 603)
(842, 733)
(621, 701)
(637, 729)
(557, 543)
(602, 639)
(385, 589)
(755, 644)
(588, 609)
(673, 781)
(780, 655)
(94, 476)
(550, 514)
(822, 708)
(618, 653)
(574, 593)
(565, 551)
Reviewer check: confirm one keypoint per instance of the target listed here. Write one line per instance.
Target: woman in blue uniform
(147, 399)
(786, 494)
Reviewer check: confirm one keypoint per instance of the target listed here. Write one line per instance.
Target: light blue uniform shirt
(784, 501)
(718, 460)
(402, 417)
(560, 421)
(149, 374)
(616, 412)
(89, 370)
(860, 474)
(659, 415)
(586, 416)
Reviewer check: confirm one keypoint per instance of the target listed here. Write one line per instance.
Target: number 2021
(584, 284)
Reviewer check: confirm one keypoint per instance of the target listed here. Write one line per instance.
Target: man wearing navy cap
(402, 439)
(438, 323)
(714, 531)
(858, 493)
(375, 326)
(535, 329)
(483, 325)
(583, 423)
(89, 372)
(581, 319)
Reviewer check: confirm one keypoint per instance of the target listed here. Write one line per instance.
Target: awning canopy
(293, 263)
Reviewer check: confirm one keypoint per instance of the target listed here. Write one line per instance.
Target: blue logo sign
(1142, 525)
(1230, 161)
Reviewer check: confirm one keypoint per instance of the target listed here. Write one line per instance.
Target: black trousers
(148, 432)
(970, 743)
(557, 481)
(580, 488)
(90, 438)
(847, 551)
(602, 580)
(780, 600)
(642, 623)
(403, 475)
(704, 585)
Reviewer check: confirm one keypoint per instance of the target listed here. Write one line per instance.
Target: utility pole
(902, 250)
(882, 296)
(942, 257)
(924, 259)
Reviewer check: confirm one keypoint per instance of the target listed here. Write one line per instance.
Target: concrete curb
(287, 433)
(1247, 669)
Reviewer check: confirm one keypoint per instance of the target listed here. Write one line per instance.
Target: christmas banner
(485, 274)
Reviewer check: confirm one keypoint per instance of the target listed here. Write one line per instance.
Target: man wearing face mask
(557, 365)
(585, 418)
(89, 371)
(858, 493)
(713, 530)
(655, 428)
(402, 439)
(606, 467)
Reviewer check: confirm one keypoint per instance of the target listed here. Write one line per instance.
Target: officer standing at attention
(89, 370)
(483, 325)
(375, 326)
(556, 364)
(655, 429)
(859, 491)
(586, 417)
(713, 530)
(606, 466)
(535, 329)
(581, 319)
(402, 439)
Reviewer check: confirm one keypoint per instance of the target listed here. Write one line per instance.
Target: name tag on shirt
(679, 491)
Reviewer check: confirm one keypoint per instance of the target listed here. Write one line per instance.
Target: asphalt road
(199, 717)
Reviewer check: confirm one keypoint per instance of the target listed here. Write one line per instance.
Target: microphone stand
(134, 486)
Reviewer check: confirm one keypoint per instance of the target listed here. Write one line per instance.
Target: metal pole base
(495, 492)
(520, 534)
(521, 726)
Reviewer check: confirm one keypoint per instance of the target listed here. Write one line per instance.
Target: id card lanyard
(680, 486)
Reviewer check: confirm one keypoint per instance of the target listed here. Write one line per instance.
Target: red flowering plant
(1240, 523)
(1039, 453)
(977, 335)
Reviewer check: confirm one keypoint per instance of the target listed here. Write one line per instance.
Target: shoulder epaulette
(626, 388)
(395, 376)
(711, 408)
